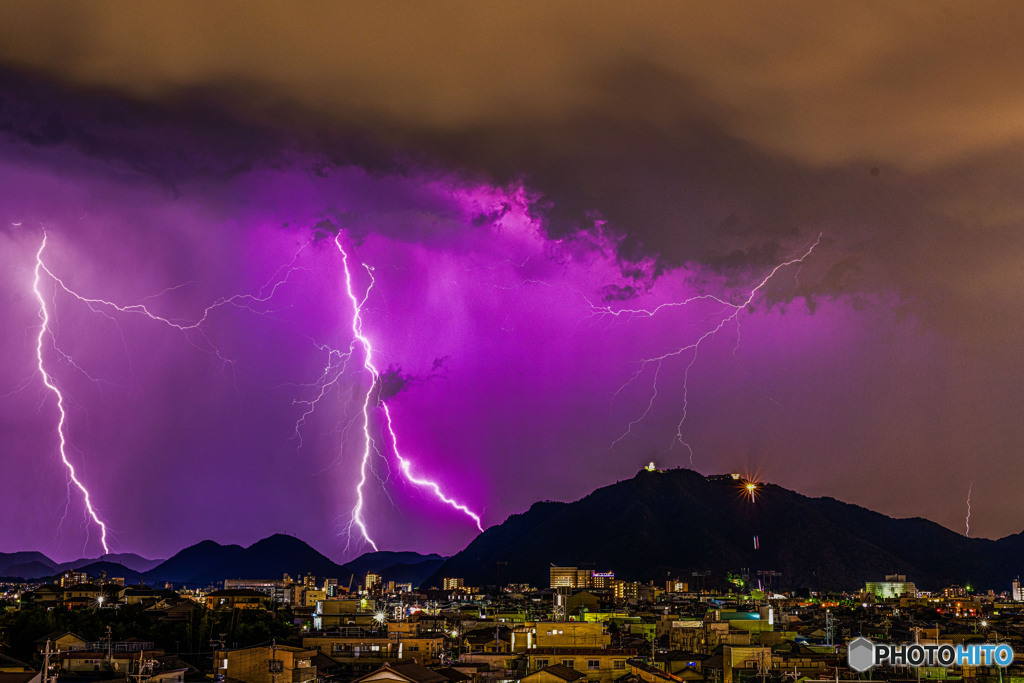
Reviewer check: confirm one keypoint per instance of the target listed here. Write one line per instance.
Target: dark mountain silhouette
(271, 558)
(209, 562)
(24, 557)
(382, 560)
(28, 571)
(672, 523)
(134, 562)
(112, 569)
(195, 560)
(412, 572)
(36, 565)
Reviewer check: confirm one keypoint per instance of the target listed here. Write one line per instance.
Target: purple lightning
(967, 521)
(368, 364)
(246, 301)
(693, 347)
(44, 330)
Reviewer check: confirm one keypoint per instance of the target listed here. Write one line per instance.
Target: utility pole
(273, 660)
(110, 652)
(46, 663)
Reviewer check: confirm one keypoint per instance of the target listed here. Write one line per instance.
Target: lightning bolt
(369, 402)
(241, 301)
(44, 331)
(102, 306)
(732, 316)
(967, 520)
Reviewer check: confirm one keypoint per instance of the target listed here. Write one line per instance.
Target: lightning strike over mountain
(733, 312)
(369, 445)
(44, 331)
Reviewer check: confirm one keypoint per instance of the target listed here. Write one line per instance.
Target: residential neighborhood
(585, 625)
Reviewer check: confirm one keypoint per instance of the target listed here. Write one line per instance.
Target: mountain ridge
(675, 522)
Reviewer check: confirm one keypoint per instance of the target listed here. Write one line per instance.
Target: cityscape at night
(511, 341)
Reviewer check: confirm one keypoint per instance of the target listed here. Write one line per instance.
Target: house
(595, 664)
(49, 595)
(402, 672)
(236, 598)
(554, 673)
(10, 665)
(582, 601)
(677, 662)
(571, 634)
(166, 610)
(134, 595)
(60, 640)
(497, 639)
(81, 595)
(642, 672)
(267, 664)
(423, 649)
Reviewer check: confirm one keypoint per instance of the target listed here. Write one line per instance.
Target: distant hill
(112, 569)
(24, 557)
(36, 565)
(676, 522)
(271, 558)
(132, 561)
(412, 572)
(194, 561)
(382, 560)
(209, 562)
(28, 571)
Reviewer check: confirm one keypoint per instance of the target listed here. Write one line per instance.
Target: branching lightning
(44, 331)
(371, 399)
(732, 312)
(246, 301)
(335, 367)
(102, 306)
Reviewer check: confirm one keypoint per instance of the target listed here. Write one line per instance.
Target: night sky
(522, 181)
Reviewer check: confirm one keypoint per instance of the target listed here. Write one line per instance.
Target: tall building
(573, 577)
(625, 590)
(562, 577)
(451, 584)
(1016, 590)
(278, 590)
(372, 581)
(73, 578)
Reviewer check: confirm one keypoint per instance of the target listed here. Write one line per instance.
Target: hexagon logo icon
(860, 654)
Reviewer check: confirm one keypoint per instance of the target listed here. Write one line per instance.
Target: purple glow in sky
(471, 303)
(578, 243)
